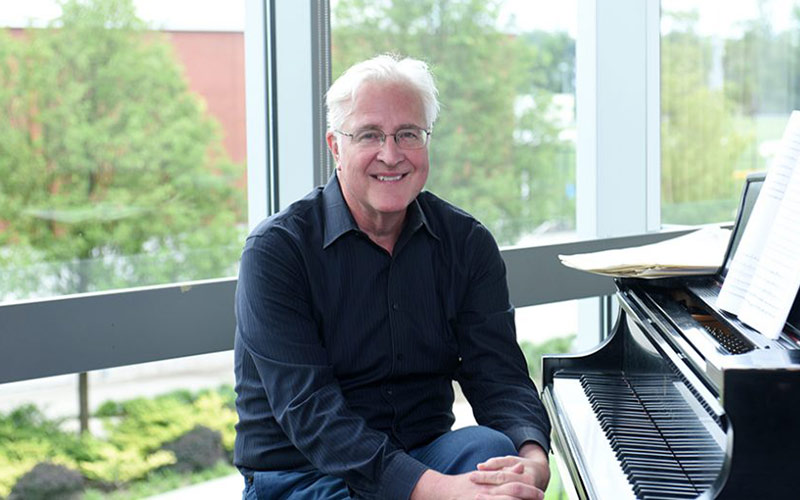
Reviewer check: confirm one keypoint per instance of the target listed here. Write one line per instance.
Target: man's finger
(498, 463)
(499, 477)
(518, 490)
(512, 491)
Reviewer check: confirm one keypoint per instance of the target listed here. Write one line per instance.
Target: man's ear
(333, 146)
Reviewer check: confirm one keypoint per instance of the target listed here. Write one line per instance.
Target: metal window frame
(618, 151)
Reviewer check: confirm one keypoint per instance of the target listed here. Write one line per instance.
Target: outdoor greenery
(160, 440)
(533, 353)
(112, 171)
(713, 130)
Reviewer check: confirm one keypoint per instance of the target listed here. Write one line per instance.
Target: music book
(764, 277)
(699, 252)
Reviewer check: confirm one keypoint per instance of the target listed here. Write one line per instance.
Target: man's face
(383, 180)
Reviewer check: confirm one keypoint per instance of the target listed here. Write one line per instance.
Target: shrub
(149, 423)
(200, 448)
(115, 466)
(48, 481)
(137, 430)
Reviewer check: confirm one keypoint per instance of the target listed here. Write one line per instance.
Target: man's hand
(523, 477)
(435, 486)
(531, 466)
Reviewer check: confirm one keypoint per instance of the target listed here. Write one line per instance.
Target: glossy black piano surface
(680, 401)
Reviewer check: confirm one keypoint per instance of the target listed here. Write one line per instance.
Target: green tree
(704, 139)
(111, 173)
(495, 149)
(761, 66)
(110, 168)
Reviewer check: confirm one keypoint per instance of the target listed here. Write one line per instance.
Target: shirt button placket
(391, 296)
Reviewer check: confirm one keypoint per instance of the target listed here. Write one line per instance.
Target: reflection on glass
(504, 145)
(120, 165)
(729, 80)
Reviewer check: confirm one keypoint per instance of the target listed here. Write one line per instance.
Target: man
(358, 306)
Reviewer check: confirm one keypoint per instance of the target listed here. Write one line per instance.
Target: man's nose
(390, 153)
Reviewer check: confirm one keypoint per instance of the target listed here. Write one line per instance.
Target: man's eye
(368, 136)
(408, 135)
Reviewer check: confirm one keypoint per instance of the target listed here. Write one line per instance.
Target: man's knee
(488, 443)
(462, 450)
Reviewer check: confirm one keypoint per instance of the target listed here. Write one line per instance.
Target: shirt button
(396, 306)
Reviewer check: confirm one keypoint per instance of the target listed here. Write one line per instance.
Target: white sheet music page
(777, 277)
(765, 273)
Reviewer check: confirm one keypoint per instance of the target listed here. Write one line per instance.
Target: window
(729, 80)
(122, 146)
(503, 147)
(122, 164)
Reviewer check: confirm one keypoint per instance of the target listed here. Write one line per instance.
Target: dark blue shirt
(345, 354)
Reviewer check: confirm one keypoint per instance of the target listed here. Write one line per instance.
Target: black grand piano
(681, 400)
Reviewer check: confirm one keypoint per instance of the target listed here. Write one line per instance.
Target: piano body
(681, 400)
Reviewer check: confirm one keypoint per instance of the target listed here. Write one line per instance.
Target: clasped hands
(522, 477)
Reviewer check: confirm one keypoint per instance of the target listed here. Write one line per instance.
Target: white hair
(386, 68)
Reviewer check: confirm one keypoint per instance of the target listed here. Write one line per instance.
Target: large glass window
(504, 145)
(730, 77)
(121, 144)
(122, 164)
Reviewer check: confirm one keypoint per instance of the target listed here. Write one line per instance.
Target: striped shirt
(345, 354)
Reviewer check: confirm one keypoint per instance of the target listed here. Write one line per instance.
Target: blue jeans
(454, 452)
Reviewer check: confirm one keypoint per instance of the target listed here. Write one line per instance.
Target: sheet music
(764, 277)
(699, 252)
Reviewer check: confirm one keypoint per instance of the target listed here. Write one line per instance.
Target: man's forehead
(377, 105)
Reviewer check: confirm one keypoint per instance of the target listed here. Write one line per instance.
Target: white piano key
(604, 473)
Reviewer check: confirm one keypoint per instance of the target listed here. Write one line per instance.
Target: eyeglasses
(405, 138)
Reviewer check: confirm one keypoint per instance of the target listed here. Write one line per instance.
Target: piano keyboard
(665, 451)
(641, 437)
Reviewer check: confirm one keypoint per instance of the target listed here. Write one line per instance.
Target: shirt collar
(339, 220)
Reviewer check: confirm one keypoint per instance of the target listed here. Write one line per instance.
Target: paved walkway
(224, 488)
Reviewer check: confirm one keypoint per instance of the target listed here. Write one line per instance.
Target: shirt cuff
(521, 435)
(400, 477)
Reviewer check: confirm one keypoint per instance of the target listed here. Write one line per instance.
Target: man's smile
(389, 178)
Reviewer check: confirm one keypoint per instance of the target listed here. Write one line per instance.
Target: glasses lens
(411, 138)
(369, 138)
